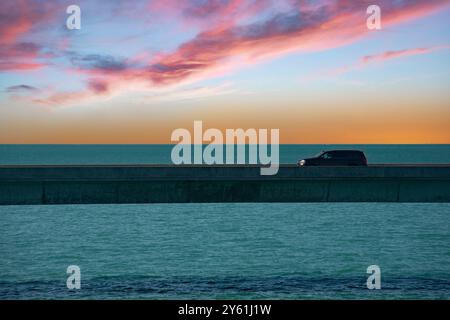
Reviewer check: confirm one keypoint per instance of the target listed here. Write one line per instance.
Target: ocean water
(226, 251)
(160, 154)
(223, 251)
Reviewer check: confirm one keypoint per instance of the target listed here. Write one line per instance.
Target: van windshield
(319, 154)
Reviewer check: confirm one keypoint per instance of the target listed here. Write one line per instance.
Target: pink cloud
(17, 19)
(227, 43)
(20, 66)
(211, 14)
(377, 58)
(336, 24)
(20, 56)
(22, 16)
(389, 55)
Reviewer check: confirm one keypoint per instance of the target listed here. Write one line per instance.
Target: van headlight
(301, 162)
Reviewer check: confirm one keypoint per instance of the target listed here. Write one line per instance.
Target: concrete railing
(85, 184)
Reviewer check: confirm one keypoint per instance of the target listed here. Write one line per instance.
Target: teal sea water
(160, 154)
(223, 251)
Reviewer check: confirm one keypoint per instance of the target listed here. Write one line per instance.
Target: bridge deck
(91, 184)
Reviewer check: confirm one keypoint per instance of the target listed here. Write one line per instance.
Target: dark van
(336, 158)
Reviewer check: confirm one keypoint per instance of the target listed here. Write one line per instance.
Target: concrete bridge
(107, 184)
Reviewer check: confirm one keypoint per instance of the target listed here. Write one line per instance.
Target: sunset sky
(137, 70)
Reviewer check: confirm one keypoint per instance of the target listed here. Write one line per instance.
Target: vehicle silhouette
(336, 158)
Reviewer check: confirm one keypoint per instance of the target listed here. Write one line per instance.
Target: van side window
(357, 155)
(327, 155)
